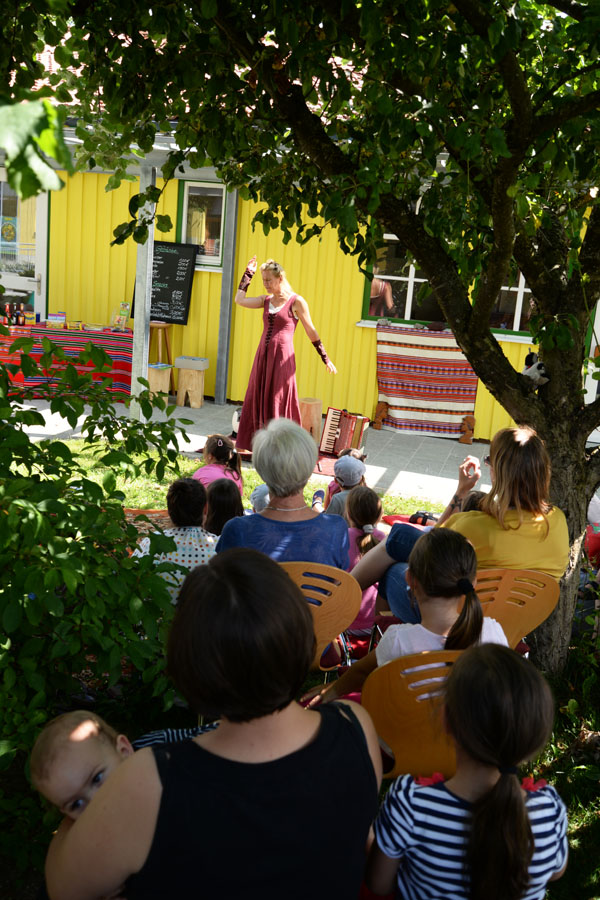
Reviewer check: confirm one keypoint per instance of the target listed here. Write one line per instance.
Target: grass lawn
(146, 493)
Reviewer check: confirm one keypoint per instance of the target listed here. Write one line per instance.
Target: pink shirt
(214, 471)
(366, 614)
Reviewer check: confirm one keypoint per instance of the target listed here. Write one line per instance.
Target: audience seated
(186, 499)
(237, 812)
(287, 529)
(481, 834)
(442, 568)
(515, 526)
(223, 503)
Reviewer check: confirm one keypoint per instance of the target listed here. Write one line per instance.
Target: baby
(73, 756)
(76, 752)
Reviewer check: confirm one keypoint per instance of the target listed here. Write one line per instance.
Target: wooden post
(310, 414)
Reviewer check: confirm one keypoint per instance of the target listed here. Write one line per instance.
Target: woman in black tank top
(245, 810)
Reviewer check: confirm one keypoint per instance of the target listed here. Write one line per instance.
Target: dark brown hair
(242, 639)
(500, 710)
(445, 565)
(224, 503)
(186, 499)
(224, 452)
(363, 507)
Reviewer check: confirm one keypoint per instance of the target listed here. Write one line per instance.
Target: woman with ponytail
(481, 835)
(221, 461)
(441, 576)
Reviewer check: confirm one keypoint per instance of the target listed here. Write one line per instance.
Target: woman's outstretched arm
(302, 311)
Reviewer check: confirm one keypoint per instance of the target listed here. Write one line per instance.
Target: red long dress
(272, 392)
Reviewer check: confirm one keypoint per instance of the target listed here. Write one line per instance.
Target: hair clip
(219, 442)
(368, 529)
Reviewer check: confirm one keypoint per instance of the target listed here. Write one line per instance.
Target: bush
(78, 613)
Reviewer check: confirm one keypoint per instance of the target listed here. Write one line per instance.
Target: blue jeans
(393, 587)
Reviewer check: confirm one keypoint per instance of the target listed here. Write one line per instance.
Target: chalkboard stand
(160, 328)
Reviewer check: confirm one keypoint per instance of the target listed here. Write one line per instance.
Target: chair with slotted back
(519, 599)
(403, 698)
(334, 597)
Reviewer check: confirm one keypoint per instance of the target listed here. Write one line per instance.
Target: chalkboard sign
(173, 269)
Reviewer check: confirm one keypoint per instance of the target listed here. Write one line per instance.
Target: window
(513, 307)
(17, 232)
(203, 220)
(394, 293)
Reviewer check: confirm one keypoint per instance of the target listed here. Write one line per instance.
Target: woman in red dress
(272, 391)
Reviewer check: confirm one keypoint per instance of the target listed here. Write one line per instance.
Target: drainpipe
(231, 207)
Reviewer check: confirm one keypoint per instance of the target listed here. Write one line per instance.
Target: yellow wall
(88, 278)
(489, 415)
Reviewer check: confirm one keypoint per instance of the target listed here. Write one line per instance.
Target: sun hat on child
(259, 498)
(349, 471)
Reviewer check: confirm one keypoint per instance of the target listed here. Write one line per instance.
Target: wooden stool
(159, 378)
(190, 382)
(160, 328)
(310, 415)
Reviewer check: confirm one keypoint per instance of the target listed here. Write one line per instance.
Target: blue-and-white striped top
(424, 826)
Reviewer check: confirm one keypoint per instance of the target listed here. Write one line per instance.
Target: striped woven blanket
(425, 379)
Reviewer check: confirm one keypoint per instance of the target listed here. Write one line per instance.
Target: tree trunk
(569, 491)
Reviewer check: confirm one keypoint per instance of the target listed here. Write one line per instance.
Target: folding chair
(519, 599)
(403, 698)
(334, 597)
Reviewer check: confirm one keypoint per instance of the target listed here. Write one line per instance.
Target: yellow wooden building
(87, 278)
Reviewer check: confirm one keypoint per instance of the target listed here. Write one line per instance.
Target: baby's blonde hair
(55, 733)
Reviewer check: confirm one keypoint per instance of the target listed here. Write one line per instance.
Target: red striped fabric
(425, 379)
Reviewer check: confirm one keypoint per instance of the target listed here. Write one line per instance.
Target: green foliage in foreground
(78, 613)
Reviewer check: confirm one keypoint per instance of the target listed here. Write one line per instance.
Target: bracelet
(318, 345)
(246, 279)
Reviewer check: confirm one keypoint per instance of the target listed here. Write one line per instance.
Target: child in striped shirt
(481, 835)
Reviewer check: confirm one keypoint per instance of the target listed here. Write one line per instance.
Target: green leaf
(11, 617)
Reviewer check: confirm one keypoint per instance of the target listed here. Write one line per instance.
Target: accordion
(342, 430)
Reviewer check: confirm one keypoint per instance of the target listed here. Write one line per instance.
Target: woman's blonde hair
(521, 475)
(277, 269)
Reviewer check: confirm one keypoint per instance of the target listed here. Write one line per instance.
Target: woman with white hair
(272, 391)
(288, 529)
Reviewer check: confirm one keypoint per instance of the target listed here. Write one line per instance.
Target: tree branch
(570, 109)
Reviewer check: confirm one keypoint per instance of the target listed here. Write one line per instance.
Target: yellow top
(525, 546)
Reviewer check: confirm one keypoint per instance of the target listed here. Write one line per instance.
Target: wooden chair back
(334, 597)
(519, 599)
(406, 707)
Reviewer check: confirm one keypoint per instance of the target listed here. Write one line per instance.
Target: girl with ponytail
(363, 512)
(221, 461)
(441, 576)
(481, 835)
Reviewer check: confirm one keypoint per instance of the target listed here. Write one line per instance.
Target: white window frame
(204, 264)
(413, 284)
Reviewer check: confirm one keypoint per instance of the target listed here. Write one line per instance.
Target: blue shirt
(323, 539)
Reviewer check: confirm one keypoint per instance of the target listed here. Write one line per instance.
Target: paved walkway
(421, 467)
